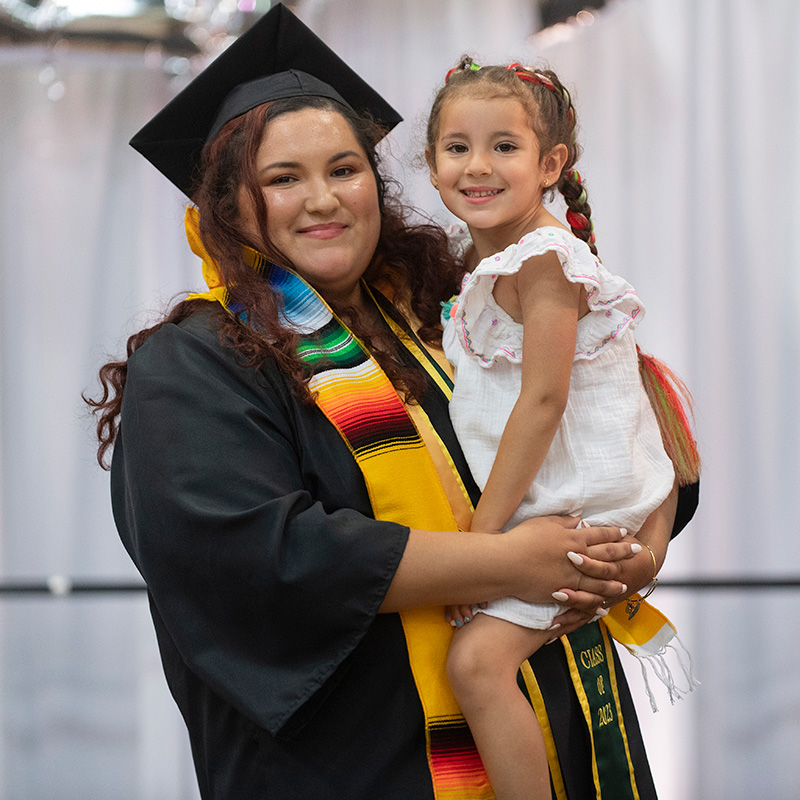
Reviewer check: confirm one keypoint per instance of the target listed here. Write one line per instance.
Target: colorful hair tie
(578, 221)
(471, 67)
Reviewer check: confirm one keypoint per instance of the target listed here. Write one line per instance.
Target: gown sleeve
(263, 587)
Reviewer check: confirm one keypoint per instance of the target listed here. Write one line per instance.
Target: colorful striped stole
(392, 451)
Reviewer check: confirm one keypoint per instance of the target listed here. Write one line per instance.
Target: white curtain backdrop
(689, 111)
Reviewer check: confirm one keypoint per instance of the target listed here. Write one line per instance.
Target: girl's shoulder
(570, 250)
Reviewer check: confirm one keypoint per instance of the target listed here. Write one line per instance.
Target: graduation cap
(277, 57)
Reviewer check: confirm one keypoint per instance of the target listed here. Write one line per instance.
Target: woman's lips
(327, 230)
(477, 195)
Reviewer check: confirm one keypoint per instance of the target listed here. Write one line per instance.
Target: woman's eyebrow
(280, 165)
(344, 154)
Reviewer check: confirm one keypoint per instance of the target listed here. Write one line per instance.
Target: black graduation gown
(250, 522)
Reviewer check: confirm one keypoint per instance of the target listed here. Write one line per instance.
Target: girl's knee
(471, 663)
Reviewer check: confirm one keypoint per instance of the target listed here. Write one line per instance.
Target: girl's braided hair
(552, 117)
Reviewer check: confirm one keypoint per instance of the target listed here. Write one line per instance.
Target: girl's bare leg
(482, 665)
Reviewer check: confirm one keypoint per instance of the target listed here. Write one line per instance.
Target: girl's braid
(579, 212)
(559, 125)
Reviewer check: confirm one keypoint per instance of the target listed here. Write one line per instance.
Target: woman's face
(322, 200)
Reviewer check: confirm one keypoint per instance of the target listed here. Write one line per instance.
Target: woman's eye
(342, 172)
(282, 180)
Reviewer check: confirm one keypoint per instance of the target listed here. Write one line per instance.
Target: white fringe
(658, 663)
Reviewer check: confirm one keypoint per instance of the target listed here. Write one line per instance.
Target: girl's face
(322, 200)
(488, 168)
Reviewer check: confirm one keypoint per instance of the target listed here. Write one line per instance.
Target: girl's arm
(548, 306)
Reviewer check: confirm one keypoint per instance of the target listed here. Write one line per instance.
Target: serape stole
(360, 402)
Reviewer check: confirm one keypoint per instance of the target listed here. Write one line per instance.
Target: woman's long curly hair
(412, 262)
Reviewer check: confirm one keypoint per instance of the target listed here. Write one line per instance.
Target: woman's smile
(327, 230)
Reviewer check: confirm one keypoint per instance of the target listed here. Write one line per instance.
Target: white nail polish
(636, 548)
(624, 531)
(554, 626)
(601, 612)
(624, 588)
(575, 558)
(560, 596)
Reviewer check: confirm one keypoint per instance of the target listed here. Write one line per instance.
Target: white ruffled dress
(606, 462)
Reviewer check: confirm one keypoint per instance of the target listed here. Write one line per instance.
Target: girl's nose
(478, 164)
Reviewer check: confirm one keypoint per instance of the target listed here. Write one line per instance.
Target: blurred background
(689, 116)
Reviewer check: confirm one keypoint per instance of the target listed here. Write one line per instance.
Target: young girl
(548, 402)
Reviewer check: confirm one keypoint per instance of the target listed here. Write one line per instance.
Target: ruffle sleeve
(483, 330)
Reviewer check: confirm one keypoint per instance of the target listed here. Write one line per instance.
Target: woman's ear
(553, 162)
(432, 167)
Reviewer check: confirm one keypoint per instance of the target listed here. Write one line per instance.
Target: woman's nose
(321, 198)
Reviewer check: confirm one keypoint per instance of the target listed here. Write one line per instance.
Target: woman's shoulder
(191, 346)
(199, 329)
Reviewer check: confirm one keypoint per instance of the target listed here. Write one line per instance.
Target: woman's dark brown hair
(412, 262)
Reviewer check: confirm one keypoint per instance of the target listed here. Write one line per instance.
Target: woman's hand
(548, 566)
(635, 572)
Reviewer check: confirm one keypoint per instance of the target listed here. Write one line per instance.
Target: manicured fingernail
(447, 616)
(601, 612)
(453, 623)
(624, 588)
(560, 596)
(554, 626)
(624, 531)
(467, 619)
(636, 548)
(550, 641)
(575, 558)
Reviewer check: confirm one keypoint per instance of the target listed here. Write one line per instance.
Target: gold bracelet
(632, 604)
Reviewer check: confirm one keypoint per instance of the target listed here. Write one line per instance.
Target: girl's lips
(477, 195)
(328, 230)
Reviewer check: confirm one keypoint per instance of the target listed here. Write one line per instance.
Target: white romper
(606, 462)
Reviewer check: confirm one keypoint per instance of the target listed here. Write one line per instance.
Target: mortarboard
(277, 57)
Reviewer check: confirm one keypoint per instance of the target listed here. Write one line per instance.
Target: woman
(297, 533)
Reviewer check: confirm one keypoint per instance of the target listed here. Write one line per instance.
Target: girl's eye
(505, 147)
(456, 148)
